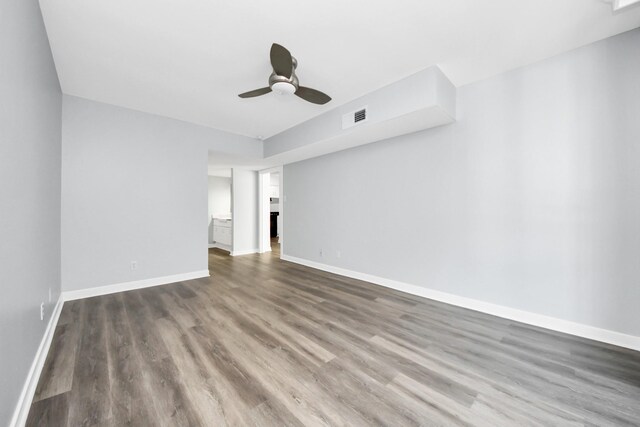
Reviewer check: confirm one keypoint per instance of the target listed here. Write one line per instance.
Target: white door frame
(264, 244)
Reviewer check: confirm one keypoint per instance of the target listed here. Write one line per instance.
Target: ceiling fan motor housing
(282, 84)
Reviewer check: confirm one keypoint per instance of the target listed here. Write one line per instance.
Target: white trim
(28, 390)
(275, 169)
(540, 320)
(281, 200)
(128, 286)
(220, 246)
(263, 211)
(249, 252)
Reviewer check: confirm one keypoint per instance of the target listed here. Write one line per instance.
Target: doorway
(271, 208)
(220, 208)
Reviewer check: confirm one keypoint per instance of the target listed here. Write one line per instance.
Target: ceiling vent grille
(360, 115)
(355, 117)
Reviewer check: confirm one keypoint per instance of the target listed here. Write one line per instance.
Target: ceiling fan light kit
(283, 88)
(284, 81)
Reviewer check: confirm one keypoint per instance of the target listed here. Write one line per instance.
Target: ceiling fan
(283, 79)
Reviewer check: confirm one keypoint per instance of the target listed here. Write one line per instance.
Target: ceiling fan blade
(281, 60)
(256, 92)
(313, 95)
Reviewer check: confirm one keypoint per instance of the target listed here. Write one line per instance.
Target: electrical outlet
(41, 311)
(320, 253)
(338, 254)
(134, 265)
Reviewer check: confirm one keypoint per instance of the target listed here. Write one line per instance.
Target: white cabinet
(222, 231)
(222, 235)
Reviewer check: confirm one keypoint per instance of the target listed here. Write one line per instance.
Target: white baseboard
(555, 324)
(249, 252)
(28, 390)
(220, 246)
(128, 286)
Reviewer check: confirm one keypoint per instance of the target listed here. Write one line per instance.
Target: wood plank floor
(269, 343)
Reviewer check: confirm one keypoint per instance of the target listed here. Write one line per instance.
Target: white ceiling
(189, 59)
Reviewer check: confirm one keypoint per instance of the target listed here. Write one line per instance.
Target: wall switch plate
(338, 254)
(49, 294)
(134, 265)
(41, 311)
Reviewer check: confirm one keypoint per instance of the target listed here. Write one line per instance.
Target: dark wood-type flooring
(270, 343)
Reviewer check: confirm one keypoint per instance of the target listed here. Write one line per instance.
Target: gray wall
(30, 109)
(244, 199)
(134, 188)
(219, 199)
(531, 200)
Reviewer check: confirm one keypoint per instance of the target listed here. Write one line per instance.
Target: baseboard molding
(128, 286)
(249, 252)
(21, 412)
(220, 246)
(540, 320)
